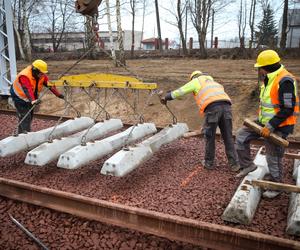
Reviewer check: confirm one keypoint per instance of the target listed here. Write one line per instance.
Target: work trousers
(22, 109)
(274, 153)
(219, 116)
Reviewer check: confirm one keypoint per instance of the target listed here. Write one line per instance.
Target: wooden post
(166, 43)
(193, 133)
(273, 137)
(191, 43)
(292, 156)
(273, 186)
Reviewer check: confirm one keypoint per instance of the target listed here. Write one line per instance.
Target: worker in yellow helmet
(278, 110)
(25, 91)
(215, 105)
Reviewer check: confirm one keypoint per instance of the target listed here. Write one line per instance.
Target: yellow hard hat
(41, 66)
(267, 57)
(197, 72)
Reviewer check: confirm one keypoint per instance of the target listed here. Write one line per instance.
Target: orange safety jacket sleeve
(27, 88)
(53, 89)
(287, 101)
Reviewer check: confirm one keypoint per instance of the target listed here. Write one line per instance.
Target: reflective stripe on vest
(269, 99)
(268, 105)
(209, 92)
(18, 88)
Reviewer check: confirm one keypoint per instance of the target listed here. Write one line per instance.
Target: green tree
(267, 31)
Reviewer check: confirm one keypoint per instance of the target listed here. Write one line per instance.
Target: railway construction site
(165, 199)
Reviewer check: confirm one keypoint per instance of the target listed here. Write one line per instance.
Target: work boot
(247, 170)
(270, 194)
(206, 165)
(235, 167)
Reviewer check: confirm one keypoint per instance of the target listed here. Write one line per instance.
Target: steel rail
(168, 226)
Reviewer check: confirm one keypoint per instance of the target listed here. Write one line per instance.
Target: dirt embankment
(238, 77)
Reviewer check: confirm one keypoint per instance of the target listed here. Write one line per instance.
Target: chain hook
(50, 138)
(83, 140)
(107, 115)
(142, 119)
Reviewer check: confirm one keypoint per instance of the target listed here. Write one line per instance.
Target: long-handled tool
(269, 185)
(26, 231)
(273, 137)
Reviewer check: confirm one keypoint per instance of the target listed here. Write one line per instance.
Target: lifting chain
(83, 138)
(174, 118)
(141, 118)
(135, 114)
(69, 103)
(97, 103)
(50, 137)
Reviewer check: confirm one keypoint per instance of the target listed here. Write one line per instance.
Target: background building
(293, 35)
(76, 40)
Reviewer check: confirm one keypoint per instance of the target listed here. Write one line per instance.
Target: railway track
(163, 225)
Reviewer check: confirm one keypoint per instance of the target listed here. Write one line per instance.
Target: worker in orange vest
(278, 110)
(25, 92)
(215, 105)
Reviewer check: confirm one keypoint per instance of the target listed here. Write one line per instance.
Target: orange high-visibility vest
(209, 92)
(28, 73)
(291, 120)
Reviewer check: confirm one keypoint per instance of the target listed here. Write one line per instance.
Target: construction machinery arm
(87, 7)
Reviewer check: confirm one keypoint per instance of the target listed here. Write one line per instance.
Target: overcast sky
(225, 23)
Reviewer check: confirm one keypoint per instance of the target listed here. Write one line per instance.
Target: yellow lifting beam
(102, 81)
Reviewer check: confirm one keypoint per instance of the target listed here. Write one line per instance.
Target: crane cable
(95, 29)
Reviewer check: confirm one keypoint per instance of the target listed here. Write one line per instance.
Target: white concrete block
(48, 152)
(127, 160)
(15, 144)
(81, 155)
(293, 220)
(243, 204)
(165, 136)
(296, 169)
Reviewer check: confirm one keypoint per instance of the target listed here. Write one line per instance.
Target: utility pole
(212, 28)
(158, 26)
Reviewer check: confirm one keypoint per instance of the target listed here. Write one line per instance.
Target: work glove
(36, 102)
(163, 101)
(167, 98)
(61, 96)
(265, 132)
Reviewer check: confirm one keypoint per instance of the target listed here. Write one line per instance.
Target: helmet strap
(35, 72)
(271, 68)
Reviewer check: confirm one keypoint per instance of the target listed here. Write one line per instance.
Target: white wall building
(76, 40)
